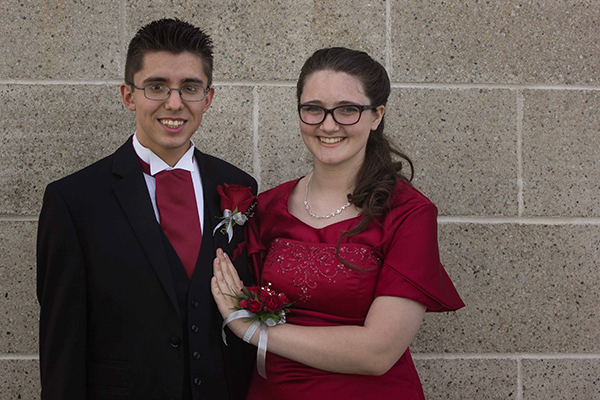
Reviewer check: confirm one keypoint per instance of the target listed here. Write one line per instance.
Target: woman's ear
(377, 116)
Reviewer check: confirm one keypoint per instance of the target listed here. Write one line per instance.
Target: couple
(126, 252)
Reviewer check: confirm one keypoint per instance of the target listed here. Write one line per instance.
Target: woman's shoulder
(406, 199)
(276, 194)
(404, 192)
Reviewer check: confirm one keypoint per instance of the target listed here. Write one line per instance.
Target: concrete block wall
(495, 101)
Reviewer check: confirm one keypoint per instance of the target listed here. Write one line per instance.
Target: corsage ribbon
(261, 353)
(230, 219)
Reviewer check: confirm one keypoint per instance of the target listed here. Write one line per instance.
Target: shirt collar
(186, 162)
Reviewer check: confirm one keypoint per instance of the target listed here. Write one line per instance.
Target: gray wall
(497, 103)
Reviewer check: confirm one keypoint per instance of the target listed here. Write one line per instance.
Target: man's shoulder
(101, 170)
(227, 171)
(91, 175)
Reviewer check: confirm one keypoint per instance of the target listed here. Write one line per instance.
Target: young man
(126, 245)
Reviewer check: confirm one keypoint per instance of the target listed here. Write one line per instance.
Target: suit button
(175, 341)
(197, 381)
(194, 303)
(196, 355)
(194, 328)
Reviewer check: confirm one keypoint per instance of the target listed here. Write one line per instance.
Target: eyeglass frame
(362, 108)
(206, 90)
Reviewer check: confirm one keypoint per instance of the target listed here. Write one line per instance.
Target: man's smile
(172, 123)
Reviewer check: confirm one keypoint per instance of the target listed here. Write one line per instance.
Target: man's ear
(127, 95)
(209, 98)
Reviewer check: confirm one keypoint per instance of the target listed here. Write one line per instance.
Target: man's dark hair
(171, 35)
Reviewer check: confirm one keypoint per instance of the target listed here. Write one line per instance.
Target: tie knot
(174, 175)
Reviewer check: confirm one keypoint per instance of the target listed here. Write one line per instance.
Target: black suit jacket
(115, 322)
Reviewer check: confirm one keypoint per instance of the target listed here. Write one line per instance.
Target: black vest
(205, 374)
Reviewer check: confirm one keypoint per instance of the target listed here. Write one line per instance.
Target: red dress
(401, 259)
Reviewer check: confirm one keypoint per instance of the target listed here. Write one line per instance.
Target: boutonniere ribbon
(237, 203)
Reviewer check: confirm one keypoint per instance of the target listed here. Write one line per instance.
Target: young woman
(353, 245)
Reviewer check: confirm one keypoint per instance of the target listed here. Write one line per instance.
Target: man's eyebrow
(154, 79)
(193, 80)
(161, 79)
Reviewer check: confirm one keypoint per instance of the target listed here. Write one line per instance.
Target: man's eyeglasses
(160, 91)
(348, 114)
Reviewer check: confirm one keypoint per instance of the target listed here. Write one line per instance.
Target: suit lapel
(132, 193)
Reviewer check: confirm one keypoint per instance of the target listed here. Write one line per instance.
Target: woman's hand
(225, 284)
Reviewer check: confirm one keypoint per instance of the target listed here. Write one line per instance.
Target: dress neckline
(286, 199)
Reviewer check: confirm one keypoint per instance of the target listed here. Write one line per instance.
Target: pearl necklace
(312, 214)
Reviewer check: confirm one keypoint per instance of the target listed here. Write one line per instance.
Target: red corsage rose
(254, 306)
(237, 203)
(264, 303)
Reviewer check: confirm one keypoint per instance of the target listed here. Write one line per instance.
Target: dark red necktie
(178, 211)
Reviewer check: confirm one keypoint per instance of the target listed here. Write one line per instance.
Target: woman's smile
(330, 140)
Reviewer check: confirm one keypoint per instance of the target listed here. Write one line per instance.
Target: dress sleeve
(411, 266)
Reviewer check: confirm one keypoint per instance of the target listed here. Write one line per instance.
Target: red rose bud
(274, 304)
(235, 196)
(244, 303)
(284, 298)
(253, 289)
(254, 306)
(264, 295)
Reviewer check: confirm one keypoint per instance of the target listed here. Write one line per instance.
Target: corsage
(264, 307)
(237, 203)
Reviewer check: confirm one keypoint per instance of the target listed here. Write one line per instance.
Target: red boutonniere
(237, 203)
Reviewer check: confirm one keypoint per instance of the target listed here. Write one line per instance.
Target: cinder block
(550, 42)
(528, 288)
(482, 379)
(59, 40)
(20, 379)
(463, 143)
(53, 131)
(226, 130)
(266, 40)
(561, 153)
(282, 153)
(19, 309)
(561, 379)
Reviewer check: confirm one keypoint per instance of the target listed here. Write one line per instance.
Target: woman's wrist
(239, 326)
(251, 331)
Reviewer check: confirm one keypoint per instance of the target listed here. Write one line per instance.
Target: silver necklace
(312, 214)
